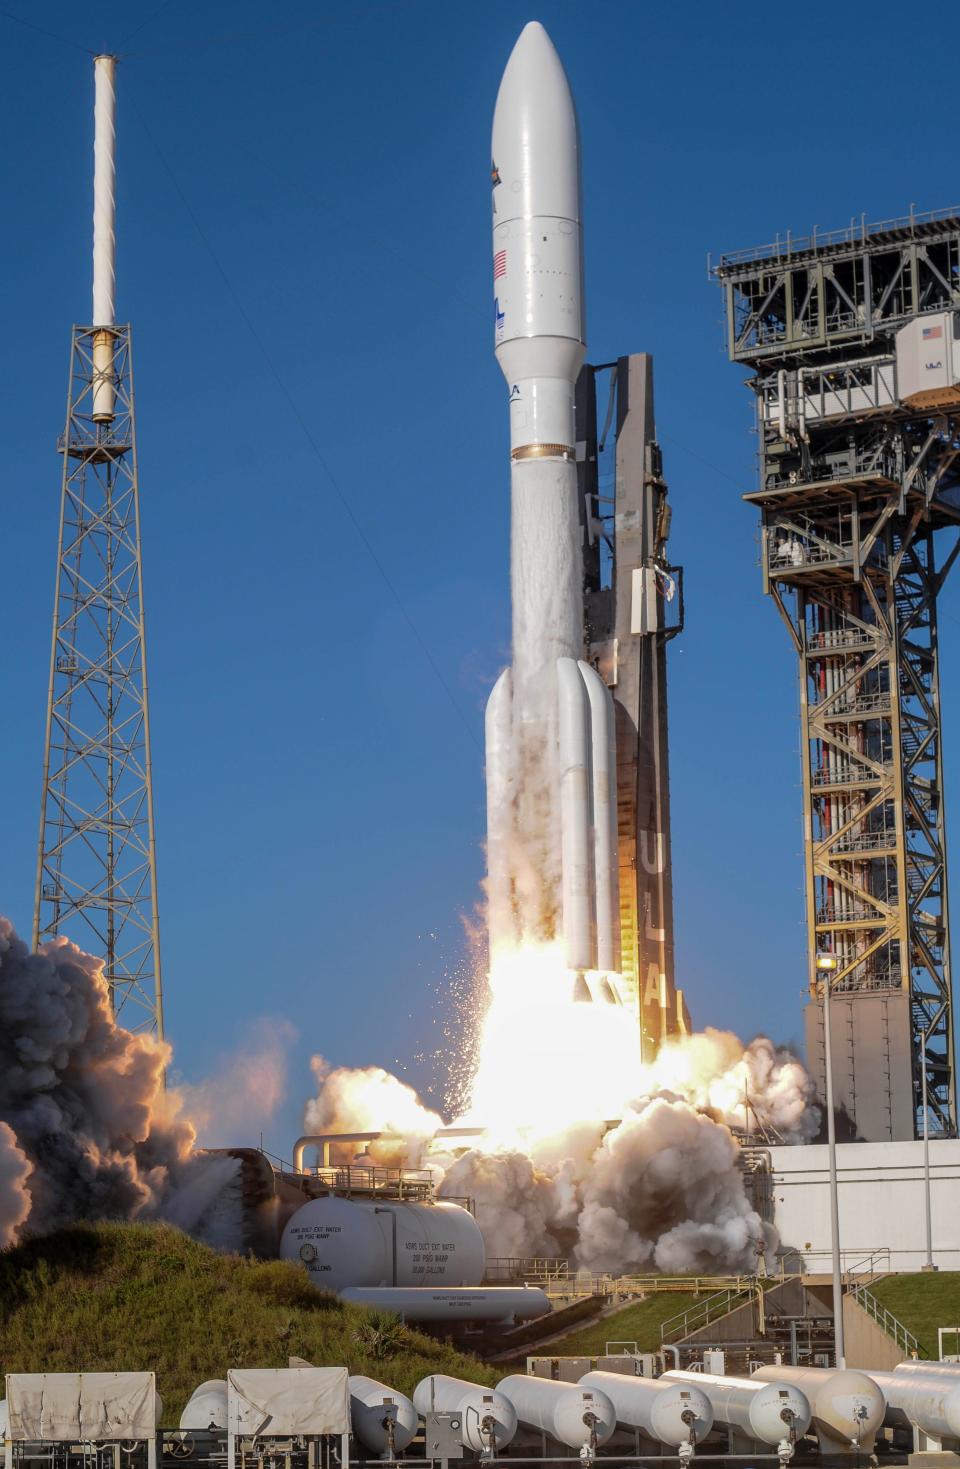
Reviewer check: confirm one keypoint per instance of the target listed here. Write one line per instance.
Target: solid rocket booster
(104, 235)
(551, 761)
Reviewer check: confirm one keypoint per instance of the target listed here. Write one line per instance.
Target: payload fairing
(550, 735)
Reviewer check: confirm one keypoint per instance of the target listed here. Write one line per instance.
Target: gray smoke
(660, 1191)
(83, 1102)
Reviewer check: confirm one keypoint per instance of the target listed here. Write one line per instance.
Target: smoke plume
(243, 1090)
(369, 1099)
(86, 1128)
(582, 1151)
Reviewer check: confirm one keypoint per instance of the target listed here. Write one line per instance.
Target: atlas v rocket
(550, 737)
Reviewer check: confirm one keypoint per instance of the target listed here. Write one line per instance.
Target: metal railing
(886, 1320)
(708, 1311)
(854, 638)
(783, 247)
(533, 1269)
(613, 1287)
(854, 1264)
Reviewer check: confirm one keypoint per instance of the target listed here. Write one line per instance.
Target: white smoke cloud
(368, 1099)
(88, 1131)
(659, 1189)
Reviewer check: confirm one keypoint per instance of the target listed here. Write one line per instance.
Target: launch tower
(96, 869)
(853, 340)
(633, 606)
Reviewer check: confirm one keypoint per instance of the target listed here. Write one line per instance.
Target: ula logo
(514, 392)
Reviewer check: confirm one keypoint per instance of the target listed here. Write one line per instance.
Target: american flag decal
(499, 264)
(929, 332)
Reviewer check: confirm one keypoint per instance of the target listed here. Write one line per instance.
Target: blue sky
(304, 251)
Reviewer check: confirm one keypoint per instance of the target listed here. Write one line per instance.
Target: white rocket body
(104, 236)
(551, 765)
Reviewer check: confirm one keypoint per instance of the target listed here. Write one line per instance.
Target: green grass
(639, 1322)
(922, 1302)
(141, 1297)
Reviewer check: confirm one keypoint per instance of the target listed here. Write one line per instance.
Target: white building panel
(881, 1195)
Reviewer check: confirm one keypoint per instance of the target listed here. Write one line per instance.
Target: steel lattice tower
(96, 869)
(854, 342)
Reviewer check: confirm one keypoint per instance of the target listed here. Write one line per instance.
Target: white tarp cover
(57, 1407)
(288, 1400)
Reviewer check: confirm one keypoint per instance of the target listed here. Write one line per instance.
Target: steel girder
(96, 869)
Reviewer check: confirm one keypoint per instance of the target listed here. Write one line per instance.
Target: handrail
(584, 1283)
(784, 248)
(887, 1322)
(706, 1312)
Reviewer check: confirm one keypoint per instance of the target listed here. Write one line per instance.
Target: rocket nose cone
(534, 62)
(535, 144)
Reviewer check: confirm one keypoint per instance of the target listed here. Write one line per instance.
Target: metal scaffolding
(859, 476)
(96, 869)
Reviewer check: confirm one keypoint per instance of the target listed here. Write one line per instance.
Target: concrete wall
(866, 1344)
(881, 1202)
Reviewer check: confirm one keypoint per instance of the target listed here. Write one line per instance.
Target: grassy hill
(140, 1297)
(922, 1302)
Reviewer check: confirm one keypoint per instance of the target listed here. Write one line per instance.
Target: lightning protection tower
(853, 342)
(96, 870)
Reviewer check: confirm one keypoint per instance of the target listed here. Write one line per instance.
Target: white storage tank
(847, 1406)
(671, 1413)
(580, 1417)
(487, 1418)
(929, 1401)
(206, 1409)
(384, 1420)
(498, 1303)
(344, 1242)
(947, 1369)
(767, 1412)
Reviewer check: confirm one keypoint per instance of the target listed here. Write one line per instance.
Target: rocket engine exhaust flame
(585, 1151)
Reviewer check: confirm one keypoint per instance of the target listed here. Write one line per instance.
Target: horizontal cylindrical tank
(671, 1413)
(847, 1406)
(928, 1400)
(469, 1303)
(384, 1420)
(346, 1242)
(948, 1369)
(206, 1409)
(488, 1419)
(768, 1412)
(580, 1417)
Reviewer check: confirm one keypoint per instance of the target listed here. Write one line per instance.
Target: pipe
(322, 1140)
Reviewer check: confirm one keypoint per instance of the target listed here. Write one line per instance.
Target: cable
(144, 23)
(301, 421)
(41, 30)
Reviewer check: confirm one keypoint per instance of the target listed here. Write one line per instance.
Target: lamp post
(928, 1209)
(827, 964)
